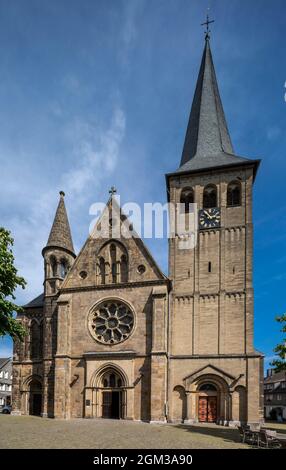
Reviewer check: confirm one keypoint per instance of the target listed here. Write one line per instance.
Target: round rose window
(111, 322)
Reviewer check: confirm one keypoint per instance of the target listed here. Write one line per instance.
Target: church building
(114, 337)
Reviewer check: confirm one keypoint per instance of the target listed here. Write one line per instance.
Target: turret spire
(60, 235)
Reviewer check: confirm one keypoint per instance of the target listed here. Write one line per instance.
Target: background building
(275, 395)
(5, 381)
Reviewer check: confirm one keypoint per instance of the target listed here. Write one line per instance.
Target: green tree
(280, 350)
(9, 281)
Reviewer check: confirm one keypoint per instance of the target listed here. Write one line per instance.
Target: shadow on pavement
(227, 434)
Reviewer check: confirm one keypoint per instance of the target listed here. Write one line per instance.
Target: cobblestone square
(26, 432)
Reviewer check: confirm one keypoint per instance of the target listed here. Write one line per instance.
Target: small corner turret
(59, 252)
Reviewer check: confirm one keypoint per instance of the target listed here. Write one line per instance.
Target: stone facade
(113, 337)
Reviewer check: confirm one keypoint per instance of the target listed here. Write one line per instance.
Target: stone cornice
(102, 287)
(217, 356)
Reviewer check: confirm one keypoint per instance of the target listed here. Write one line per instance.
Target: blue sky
(98, 92)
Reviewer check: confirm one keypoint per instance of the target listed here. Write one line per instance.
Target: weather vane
(207, 23)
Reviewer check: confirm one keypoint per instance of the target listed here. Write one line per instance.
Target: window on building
(6, 375)
(279, 397)
(36, 339)
(187, 198)
(113, 272)
(1, 374)
(63, 268)
(210, 197)
(123, 269)
(234, 194)
(113, 263)
(54, 266)
(102, 270)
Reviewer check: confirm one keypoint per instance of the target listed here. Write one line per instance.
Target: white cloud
(129, 30)
(96, 150)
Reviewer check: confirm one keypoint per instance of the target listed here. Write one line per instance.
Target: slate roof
(278, 377)
(207, 143)
(4, 361)
(37, 302)
(60, 235)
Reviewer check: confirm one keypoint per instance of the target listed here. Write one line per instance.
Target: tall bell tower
(211, 332)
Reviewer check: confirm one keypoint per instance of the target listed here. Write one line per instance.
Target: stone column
(191, 408)
(159, 355)
(129, 403)
(63, 361)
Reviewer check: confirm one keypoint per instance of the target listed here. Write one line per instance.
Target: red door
(207, 409)
(212, 409)
(203, 409)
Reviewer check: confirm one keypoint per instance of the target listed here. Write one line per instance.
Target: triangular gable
(93, 245)
(209, 369)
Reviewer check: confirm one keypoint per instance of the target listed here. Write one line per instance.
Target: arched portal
(208, 399)
(33, 395)
(110, 393)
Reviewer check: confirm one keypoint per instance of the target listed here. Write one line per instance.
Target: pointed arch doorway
(110, 394)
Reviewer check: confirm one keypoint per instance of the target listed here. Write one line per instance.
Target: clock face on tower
(209, 218)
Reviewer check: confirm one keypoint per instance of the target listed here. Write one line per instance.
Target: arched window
(112, 380)
(113, 272)
(36, 339)
(210, 197)
(123, 269)
(63, 268)
(54, 266)
(234, 194)
(113, 263)
(102, 270)
(187, 198)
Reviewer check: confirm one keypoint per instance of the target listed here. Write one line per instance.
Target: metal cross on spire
(112, 190)
(207, 23)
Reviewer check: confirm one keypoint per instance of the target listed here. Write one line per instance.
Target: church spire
(207, 133)
(60, 235)
(207, 143)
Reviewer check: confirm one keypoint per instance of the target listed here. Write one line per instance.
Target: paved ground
(32, 432)
(279, 427)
